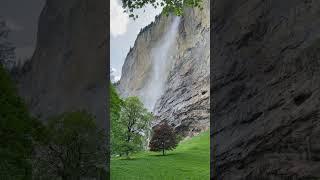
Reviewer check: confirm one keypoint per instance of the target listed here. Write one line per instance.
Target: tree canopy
(15, 132)
(18, 130)
(169, 6)
(6, 47)
(130, 124)
(135, 119)
(74, 148)
(116, 132)
(163, 138)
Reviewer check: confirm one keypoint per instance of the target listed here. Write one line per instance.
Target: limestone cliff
(68, 69)
(184, 100)
(265, 85)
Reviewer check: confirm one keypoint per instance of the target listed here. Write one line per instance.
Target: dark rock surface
(266, 89)
(68, 69)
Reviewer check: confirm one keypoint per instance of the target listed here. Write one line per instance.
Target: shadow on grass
(166, 155)
(146, 156)
(129, 159)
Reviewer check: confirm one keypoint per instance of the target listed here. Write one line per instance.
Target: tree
(15, 132)
(18, 130)
(116, 130)
(163, 138)
(6, 48)
(134, 122)
(74, 148)
(169, 6)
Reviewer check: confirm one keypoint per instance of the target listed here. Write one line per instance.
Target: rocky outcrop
(68, 69)
(265, 84)
(185, 98)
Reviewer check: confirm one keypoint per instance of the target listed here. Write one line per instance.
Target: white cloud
(116, 78)
(114, 75)
(118, 19)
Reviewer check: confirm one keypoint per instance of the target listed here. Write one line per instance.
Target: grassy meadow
(189, 161)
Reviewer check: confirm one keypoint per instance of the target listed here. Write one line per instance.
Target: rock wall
(265, 85)
(185, 101)
(68, 69)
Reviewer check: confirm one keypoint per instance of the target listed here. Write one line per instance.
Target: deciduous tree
(18, 130)
(163, 138)
(117, 130)
(169, 6)
(134, 122)
(6, 48)
(74, 149)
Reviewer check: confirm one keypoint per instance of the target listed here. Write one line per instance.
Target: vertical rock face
(265, 85)
(68, 69)
(185, 98)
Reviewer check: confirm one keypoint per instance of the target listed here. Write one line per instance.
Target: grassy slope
(189, 161)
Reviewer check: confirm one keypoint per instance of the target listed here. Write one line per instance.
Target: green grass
(189, 161)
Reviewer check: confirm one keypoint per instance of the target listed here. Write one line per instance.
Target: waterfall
(160, 66)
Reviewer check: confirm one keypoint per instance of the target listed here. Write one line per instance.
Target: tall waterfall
(161, 62)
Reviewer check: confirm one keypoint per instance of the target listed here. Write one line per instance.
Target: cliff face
(265, 85)
(68, 69)
(184, 100)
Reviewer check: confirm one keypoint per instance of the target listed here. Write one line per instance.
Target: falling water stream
(161, 62)
(160, 68)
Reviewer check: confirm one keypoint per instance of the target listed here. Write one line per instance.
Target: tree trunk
(163, 148)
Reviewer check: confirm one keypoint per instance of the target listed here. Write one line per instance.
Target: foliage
(116, 130)
(133, 125)
(74, 148)
(163, 138)
(15, 132)
(6, 48)
(169, 6)
(18, 130)
(190, 160)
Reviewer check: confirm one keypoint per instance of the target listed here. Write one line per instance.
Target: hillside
(190, 160)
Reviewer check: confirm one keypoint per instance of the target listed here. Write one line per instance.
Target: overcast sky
(22, 18)
(123, 32)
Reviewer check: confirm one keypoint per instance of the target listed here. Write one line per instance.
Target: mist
(161, 64)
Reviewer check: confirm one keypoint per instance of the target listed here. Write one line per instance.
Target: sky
(123, 32)
(23, 23)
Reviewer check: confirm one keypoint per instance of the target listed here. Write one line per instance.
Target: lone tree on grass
(163, 138)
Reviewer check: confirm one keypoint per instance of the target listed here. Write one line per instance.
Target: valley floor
(189, 161)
